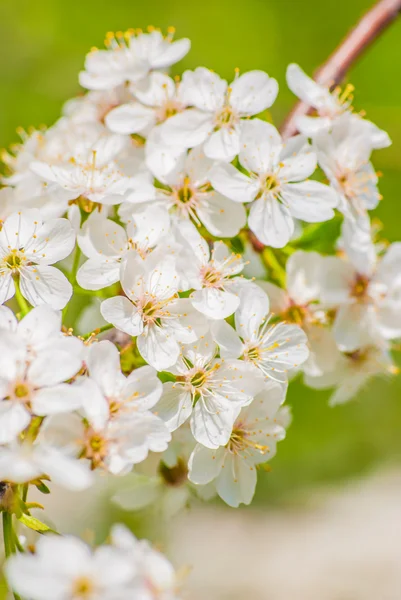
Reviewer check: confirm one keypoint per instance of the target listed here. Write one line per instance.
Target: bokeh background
(43, 44)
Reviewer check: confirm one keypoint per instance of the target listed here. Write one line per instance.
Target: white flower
(27, 249)
(351, 371)
(367, 295)
(211, 273)
(208, 390)
(40, 332)
(343, 154)
(217, 117)
(33, 385)
(276, 183)
(187, 194)
(256, 431)
(153, 311)
(25, 462)
(329, 106)
(140, 391)
(130, 57)
(64, 568)
(298, 304)
(107, 245)
(158, 98)
(92, 175)
(273, 349)
(156, 578)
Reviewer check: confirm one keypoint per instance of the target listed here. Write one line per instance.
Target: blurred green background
(43, 47)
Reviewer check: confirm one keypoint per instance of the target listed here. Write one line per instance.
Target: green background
(43, 44)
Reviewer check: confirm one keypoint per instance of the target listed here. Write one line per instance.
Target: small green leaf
(42, 487)
(35, 524)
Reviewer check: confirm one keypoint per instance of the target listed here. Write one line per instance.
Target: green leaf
(42, 487)
(35, 524)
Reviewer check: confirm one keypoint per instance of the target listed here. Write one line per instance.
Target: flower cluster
(181, 222)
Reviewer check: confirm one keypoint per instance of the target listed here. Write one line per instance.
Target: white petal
(227, 339)
(158, 347)
(306, 89)
(103, 361)
(211, 429)
(43, 284)
(187, 129)
(130, 118)
(271, 222)
(261, 145)
(204, 464)
(253, 92)
(54, 241)
(310, 201)
(237, 481)
(18, 229)
(14, 418)
(223, 144)
(354, 326)
(121, 313)
(57, 399)
(7, 287)
(304, 276)
(230, 182)
(203, 89)
(174, 407)
(215, 304)
(96, 274)
(221, 216)
(253, 310)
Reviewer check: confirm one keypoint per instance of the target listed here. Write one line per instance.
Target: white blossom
(28, 246)
(256, 431)
(130, 57)
(152, 310)
(216, 120)
(274, 348)
(208, 390)
(277, 184)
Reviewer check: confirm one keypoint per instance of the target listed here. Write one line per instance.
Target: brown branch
(372, 24)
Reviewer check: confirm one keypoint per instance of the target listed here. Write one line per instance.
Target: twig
(371, 25)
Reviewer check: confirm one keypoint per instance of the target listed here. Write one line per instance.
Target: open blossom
(329, 106)
(152, 310)
(156, 578)
(216, 120)
(256, 431)
(130, 57)
(211, 273)
(273, 348)
(32, 385)
(25, 462)
(208, 390)
(93, 176)
(27, 249)
(343, 153)
(186, 193)
(351, 371)
(107, 245)
(65, 568)
(275, 184)
(298, 304)
(40, 332)
(365, 290)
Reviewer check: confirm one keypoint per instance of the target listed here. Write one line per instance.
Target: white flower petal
(43, 284)
(253, 92)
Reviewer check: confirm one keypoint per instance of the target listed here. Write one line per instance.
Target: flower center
(226, 117)
(174, 476)
(14, 261)
(83, 588)
(95, 447)
(169, 109)
(198, 379)
(240, 441)
(270, 184)
(21, 390)
(360, 287)
(185, 194)
(295, 314)
(253, 353)
(211, 277)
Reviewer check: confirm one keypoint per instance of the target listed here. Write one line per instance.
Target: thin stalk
(97, 331)
(22, 303)
(8, 534)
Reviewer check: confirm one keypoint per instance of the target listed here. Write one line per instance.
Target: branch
(372, 24)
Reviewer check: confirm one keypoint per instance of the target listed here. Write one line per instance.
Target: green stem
(8, 533)
(22, 303)
(97, 331)
(75, 266)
